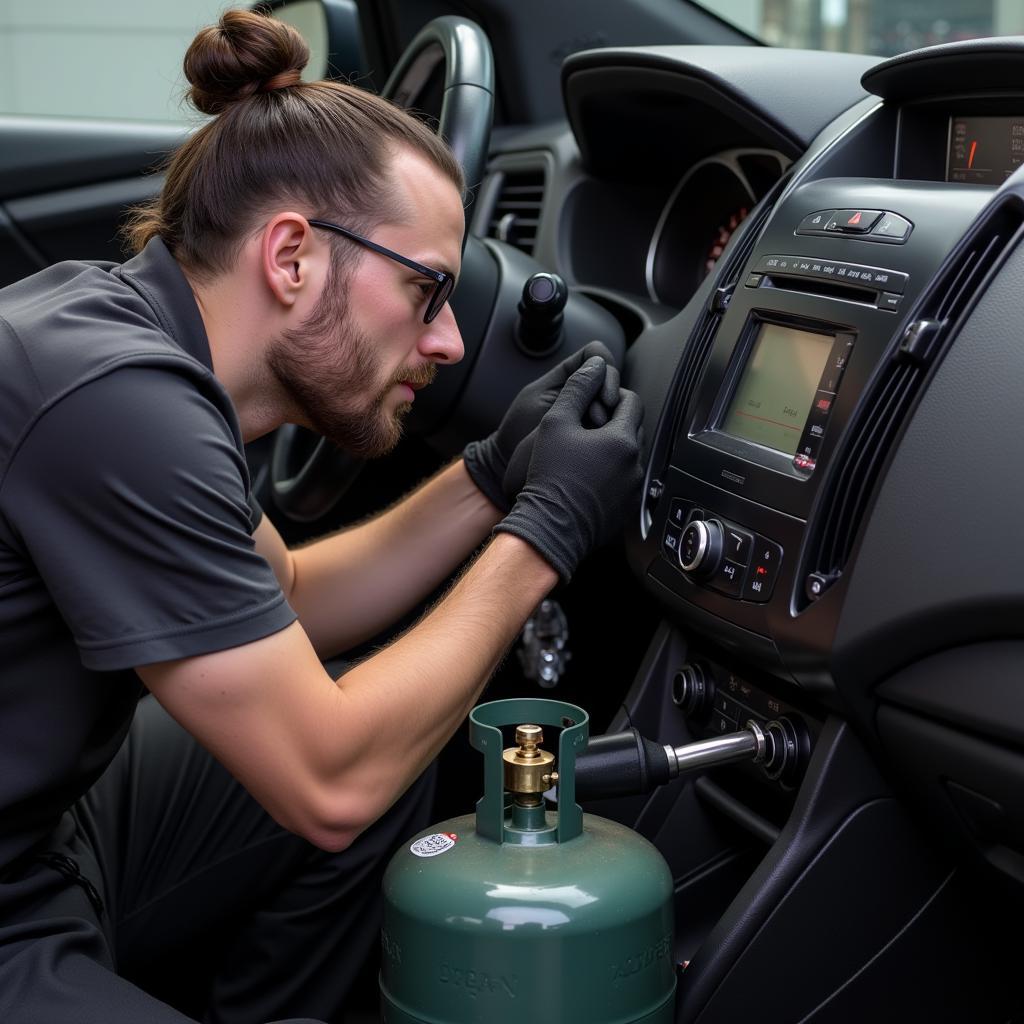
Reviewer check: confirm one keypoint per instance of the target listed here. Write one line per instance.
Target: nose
(441, 340)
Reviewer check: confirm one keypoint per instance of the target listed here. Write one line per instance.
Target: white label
(431, 846)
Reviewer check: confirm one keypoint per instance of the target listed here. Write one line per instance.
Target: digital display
(984, 150)
(778, 386)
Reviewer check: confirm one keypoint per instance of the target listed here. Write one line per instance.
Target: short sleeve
(130, 497)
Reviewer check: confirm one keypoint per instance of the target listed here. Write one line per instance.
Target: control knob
(692, 690)
(700, 547)
(540, 314)
(785, 749)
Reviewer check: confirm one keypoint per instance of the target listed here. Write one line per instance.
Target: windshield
(882, 27)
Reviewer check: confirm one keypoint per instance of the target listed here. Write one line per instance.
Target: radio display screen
(984, 150)
(778, 386)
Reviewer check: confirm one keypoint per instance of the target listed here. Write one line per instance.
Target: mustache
(420, 376)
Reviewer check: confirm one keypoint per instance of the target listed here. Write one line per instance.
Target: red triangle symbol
(855, 219)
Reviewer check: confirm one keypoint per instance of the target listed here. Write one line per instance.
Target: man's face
(353, 367)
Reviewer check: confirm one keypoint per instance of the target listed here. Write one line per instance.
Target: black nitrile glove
(486, 460)
(582, 481)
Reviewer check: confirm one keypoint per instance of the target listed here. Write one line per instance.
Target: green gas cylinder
(521, 913)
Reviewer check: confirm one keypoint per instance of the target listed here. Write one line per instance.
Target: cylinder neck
(529, 819)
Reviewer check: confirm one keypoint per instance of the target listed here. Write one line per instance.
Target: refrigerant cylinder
(519, 912)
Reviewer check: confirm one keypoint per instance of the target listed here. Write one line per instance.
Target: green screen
(777, 387)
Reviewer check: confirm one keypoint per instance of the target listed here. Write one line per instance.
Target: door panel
(66, 186)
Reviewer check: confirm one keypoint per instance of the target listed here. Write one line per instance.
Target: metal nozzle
(626, 764)
(528, 769)
(748, 744)
(529, 737)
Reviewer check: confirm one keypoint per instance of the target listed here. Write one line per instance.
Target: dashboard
(821, 295)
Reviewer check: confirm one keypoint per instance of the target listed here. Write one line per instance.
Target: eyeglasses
(443, 281)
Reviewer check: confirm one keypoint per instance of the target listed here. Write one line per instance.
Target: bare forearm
(327, 759)
(349, 587)
(415, 693)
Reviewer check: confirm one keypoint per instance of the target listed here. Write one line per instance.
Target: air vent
(872, 434)
(691, 366)
(516, 213)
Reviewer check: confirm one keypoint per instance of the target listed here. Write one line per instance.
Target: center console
(823, 483)
(824, 303)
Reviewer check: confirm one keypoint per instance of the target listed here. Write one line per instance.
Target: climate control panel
(720, 554)
(717, 702)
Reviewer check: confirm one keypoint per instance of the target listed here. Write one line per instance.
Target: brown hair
(324, 145)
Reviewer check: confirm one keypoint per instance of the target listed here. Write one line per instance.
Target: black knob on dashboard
(785, 749)
(540, 313)
(692, 690)
(700, 547)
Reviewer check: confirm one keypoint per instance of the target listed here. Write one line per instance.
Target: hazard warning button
(853, 222)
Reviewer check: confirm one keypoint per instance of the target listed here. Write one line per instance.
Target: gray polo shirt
(125, 521)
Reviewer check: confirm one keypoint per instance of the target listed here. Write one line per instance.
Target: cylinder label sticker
(431, 846)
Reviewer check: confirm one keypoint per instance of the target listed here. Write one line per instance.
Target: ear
(288, 256)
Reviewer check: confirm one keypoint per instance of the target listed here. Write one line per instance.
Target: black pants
(168, 860)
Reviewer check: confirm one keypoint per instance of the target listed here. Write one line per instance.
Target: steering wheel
(308, 474)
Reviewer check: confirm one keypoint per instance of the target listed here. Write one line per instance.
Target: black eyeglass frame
(444, 282)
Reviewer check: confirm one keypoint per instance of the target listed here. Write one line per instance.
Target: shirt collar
(156, 275)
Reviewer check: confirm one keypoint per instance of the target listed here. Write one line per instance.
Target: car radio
(768, 385)
(788, 378)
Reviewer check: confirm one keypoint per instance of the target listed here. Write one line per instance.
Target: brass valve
(528, 769)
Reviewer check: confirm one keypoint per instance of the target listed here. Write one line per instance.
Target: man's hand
(582, 481)
(486, 460)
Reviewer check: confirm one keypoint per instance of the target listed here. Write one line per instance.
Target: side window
(98, 58)
(881, 27)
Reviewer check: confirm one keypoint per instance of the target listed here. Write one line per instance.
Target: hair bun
(242, 54)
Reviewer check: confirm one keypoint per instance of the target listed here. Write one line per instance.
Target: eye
(425, 288)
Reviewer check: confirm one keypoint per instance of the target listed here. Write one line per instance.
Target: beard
(330, 370)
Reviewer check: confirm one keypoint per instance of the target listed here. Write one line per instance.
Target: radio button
(763, 570)
(727, 707)
(720, 724)
(670, 543)
(678, 513)
(806, 457)
(890, 300)
(814, 223)
(737, 545)
(892, 228)
(823, 401)
(728, 578)
(817, 420)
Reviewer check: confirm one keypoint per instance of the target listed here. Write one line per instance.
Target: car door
(90, 104)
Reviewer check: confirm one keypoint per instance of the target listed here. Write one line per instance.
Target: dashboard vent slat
(865, 464)
(873, 432)
(973, 266)
(516, 213)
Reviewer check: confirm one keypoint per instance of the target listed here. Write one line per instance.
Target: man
(296, 268)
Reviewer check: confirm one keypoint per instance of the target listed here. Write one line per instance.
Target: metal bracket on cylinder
(485, 735)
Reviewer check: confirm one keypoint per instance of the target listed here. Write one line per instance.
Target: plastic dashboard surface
(830, 282)
(874, 513)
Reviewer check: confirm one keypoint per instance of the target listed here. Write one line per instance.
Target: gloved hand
(486, 460)
(582, 481)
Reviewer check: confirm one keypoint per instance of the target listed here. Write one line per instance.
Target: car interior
(809, 266)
